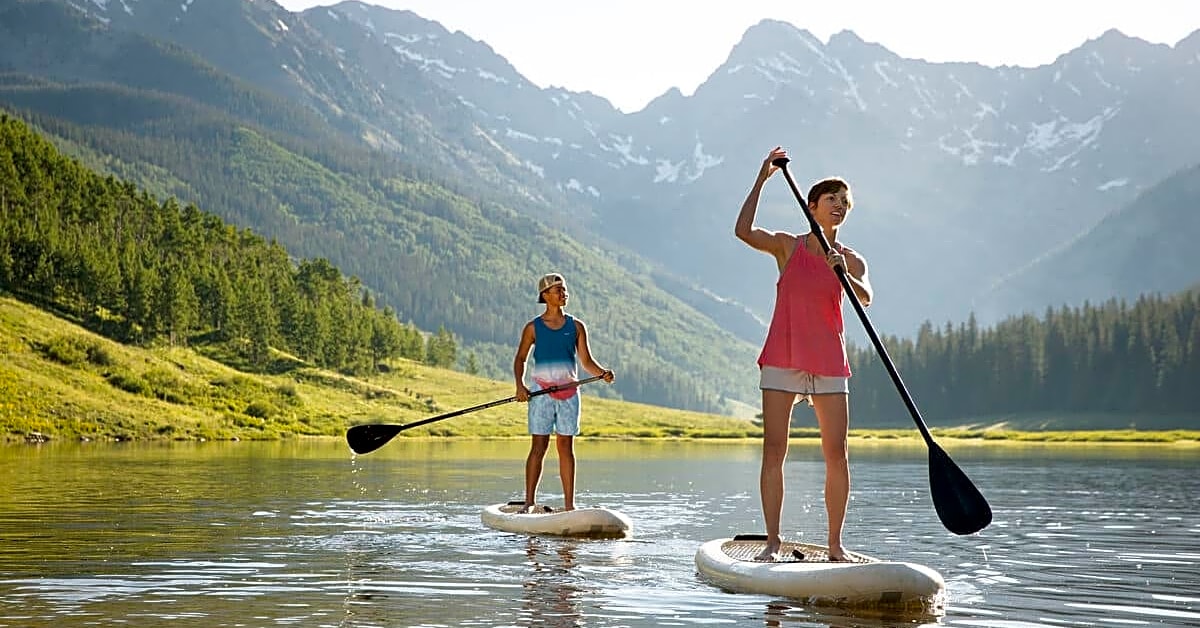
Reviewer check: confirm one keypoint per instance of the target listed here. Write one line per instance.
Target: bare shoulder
(783, 243)
(786, 240)
(850, 253)
(855, 262)
(775, 243)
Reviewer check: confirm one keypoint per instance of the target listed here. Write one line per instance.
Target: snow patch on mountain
(428, 64)
(702, 161)
(574, 185)
(667, 171)
(623, 145)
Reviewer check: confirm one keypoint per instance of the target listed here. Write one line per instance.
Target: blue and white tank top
(554, 356)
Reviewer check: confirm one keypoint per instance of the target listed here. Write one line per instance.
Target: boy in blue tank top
(558, 341)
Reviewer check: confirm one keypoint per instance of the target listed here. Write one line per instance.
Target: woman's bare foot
(839, 555)
(770, 553)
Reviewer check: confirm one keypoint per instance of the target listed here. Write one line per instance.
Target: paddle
(960, 506)
(367, 438)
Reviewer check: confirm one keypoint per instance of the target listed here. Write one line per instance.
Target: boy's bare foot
(839, 555)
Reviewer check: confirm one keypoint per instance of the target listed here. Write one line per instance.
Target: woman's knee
(774, 452)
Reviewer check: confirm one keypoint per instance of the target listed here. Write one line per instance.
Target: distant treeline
(1113, 357)
(141, 271)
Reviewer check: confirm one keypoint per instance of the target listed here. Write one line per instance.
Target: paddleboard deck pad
(581, 522)
(803, 571)
(747, 549)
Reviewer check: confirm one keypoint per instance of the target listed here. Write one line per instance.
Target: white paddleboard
(589, 522)
(804, 572)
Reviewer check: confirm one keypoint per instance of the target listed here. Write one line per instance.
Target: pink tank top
(806, 331)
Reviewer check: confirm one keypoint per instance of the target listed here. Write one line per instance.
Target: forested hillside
(116, 259)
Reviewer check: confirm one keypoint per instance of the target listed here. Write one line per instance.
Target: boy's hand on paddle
(608, 376)
(522, 393)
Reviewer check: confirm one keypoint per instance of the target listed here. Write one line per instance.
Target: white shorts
(802, 383)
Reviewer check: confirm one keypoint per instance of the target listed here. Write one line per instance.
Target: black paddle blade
(960, 506)
(364, 439)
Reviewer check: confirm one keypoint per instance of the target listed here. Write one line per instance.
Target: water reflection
(786, 614)
(550, 591)
(285, 534)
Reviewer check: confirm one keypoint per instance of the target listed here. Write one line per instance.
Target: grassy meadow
(59, 381)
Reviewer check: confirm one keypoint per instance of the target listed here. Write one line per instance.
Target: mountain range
(995, 191)
(995, 168)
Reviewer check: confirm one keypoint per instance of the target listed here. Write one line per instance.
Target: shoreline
(1174, 439)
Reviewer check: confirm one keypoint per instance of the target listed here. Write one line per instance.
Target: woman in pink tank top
(804, 355)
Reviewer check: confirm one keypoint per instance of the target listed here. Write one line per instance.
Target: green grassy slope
(61, 381)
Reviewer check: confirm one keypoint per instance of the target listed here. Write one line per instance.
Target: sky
(631, 51)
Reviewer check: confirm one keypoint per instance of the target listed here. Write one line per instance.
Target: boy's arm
(523, 348)
(585, 353)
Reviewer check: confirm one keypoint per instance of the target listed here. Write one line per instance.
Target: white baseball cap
(549, 281)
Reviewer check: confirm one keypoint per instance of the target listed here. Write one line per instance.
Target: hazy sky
(630, 51)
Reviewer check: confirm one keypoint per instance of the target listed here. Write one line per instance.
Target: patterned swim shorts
(548, 415)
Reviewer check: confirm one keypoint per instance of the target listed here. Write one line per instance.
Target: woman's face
(833, 207)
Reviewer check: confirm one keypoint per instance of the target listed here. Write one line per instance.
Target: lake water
(304, 534)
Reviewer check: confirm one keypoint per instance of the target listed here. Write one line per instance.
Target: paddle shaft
(493, 404)
(858, 307)
(367, 438)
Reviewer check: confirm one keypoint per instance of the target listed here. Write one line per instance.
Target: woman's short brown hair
(828, 186)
